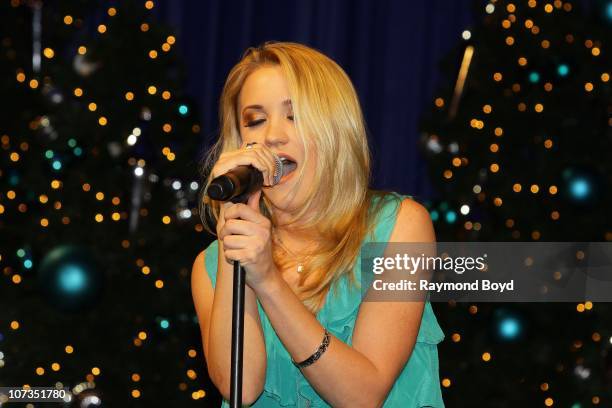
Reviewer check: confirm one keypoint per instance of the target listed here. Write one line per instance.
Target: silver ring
(250, 145)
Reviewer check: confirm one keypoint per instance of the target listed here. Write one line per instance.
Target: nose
(276, 133)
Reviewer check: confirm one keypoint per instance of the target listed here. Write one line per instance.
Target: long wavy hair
(328, 118)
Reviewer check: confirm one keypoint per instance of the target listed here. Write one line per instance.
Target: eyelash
(257, 122)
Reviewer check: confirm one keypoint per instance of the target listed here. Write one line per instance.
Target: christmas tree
(519, 148)
(98, 206)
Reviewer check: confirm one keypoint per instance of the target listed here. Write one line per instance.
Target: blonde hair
(328, 118)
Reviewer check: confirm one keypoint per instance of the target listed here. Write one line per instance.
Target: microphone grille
(278, 169)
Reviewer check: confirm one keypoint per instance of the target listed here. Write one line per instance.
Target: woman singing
(309, 340)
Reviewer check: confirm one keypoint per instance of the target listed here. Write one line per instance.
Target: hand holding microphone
(238, 174)
(243, 232)
(244, 235)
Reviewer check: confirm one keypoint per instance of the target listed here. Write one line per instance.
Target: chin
(280, 197)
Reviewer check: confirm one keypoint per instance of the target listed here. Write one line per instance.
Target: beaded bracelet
(316, 354)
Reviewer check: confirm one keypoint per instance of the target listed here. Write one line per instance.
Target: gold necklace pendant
(300, 265)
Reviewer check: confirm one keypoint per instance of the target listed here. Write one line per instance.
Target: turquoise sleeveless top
(418, 384)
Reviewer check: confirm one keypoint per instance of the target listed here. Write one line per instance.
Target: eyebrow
(286, 102)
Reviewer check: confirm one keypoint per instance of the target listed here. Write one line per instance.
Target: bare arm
(383, 338)
(214, 310)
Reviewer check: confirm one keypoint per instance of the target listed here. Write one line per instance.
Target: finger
(223, 208)
(244, 212)
(268, 170)
(237, 227)
(271, 160)
(235, 242)
(221, 218)
(239, 158)
(235, 255)
(253, 201)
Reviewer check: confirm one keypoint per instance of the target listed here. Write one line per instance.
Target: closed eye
(254, 123)
(258, 121)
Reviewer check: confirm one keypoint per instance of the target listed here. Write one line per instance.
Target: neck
(297, 238)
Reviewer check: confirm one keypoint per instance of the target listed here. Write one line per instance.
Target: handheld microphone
(237, 184)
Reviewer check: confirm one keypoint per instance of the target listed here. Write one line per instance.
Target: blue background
(390, 49)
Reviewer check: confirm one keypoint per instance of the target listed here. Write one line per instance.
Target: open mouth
(288, 166)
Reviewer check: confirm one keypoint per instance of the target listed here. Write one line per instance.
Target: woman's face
(266, 117)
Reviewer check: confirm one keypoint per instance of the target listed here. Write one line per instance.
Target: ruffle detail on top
(281, 375)
(285, 386)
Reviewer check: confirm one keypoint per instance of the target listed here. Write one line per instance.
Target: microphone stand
(237, 328)
(237, 335)
(220, 192)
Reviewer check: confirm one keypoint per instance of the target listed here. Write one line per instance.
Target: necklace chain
(300, 265)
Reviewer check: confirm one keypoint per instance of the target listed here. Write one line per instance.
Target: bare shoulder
(198, 269)
(202, 293)
(386, 332)
(413, 223)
